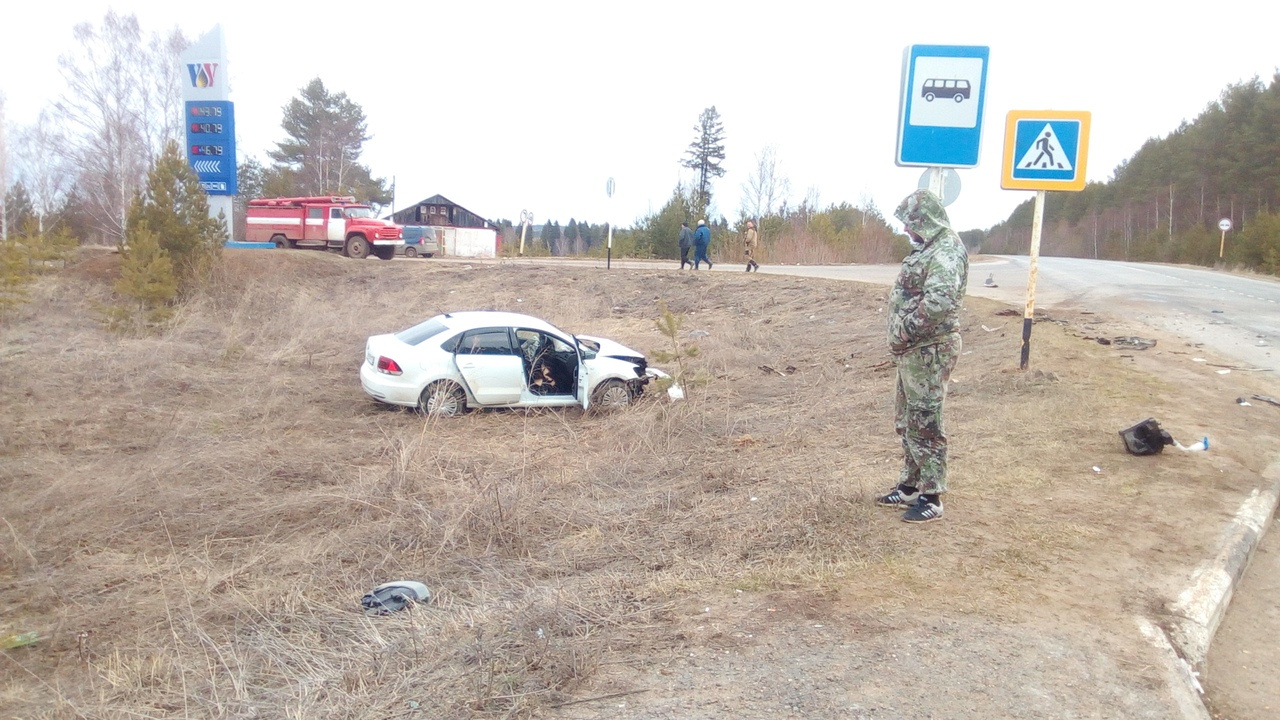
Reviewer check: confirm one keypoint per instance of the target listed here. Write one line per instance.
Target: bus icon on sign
(957, 90)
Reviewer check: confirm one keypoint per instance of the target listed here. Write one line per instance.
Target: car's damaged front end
(605, 357)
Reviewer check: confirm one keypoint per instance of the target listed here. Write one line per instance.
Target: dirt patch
(192, 518)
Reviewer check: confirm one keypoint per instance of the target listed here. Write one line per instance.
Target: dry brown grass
(190, 519)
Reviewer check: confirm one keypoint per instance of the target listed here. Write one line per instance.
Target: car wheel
(611, 395)
(411, 252)
(443, 398)
(356, 248)
(928, 96)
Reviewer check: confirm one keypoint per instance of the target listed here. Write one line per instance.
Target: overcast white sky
(503, 106)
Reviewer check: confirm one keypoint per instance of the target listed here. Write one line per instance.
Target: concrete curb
(1196, 614)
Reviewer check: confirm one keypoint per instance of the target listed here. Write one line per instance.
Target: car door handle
(468, 365)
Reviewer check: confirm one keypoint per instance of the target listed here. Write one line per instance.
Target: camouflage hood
(923, 214)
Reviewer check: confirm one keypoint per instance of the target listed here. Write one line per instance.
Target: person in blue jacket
(701, 241)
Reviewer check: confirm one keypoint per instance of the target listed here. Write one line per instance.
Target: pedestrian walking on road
(924, 339)
(750, 241)
(686, 244)
(701, 241)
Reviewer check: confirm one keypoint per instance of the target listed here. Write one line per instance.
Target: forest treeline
(1164, 203)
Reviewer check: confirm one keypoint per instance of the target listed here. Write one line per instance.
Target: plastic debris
(395, 596)
(1267, 399)
(1097, 469)
(699, 333)
(1225, 371)
(17, 640)
(1241, 401)
(1199, 445)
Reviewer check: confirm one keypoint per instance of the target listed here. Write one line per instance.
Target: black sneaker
(923, 511)
(898, 497)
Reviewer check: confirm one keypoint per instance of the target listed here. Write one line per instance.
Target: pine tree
(176, 210)
(15, 276)
(705, 154)
(147, 278)
(321, 156)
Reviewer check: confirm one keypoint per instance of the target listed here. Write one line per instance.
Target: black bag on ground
(1146, 438)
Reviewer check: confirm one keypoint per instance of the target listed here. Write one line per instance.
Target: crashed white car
(463, 360)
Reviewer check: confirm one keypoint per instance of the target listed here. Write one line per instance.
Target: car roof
(468, 319)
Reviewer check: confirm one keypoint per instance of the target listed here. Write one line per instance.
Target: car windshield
(358, 212)
(416, 334)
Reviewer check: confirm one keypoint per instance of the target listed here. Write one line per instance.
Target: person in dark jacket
(924, 339)
(702, 241)
(686, 244)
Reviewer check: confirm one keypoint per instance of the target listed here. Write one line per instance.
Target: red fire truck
(334, 223)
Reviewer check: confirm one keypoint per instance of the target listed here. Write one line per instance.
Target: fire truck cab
(333, 223)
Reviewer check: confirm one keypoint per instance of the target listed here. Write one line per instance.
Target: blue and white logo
(1046, 150)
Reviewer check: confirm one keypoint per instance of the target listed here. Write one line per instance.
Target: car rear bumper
(389, 389)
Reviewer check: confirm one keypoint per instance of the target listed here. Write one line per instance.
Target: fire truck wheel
(384, 252)
(356, 247)
(280, 241)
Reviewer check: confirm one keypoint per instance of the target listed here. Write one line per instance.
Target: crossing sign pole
(1043, 150)
(1028, 312)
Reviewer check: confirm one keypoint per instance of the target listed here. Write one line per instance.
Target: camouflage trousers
(923, 373)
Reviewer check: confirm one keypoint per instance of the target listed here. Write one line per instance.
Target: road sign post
(1224, 225)
(526, 218)
(1043, 150)
(608, 261)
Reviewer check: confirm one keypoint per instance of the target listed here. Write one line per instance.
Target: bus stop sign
(944, 90)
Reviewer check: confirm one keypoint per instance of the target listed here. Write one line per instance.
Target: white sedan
(475, 359)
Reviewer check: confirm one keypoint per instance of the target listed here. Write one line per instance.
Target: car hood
(609, 348)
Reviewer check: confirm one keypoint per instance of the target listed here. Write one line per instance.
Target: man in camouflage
(924, 338)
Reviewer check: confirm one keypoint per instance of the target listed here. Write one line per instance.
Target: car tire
(411, 252)
(611, 395)
(356, 248)
(280, 242)
(442, 398)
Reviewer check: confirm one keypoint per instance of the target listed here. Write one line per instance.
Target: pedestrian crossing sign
(1045, 150)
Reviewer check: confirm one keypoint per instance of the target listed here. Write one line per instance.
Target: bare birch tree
(43, 167)
(4, 173)
(121, 105)
(766, 189)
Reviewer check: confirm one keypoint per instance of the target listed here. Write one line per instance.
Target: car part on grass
(1146, 438)
(395, 596)
(1133, 342)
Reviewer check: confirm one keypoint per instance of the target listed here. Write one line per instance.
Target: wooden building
(439, 210)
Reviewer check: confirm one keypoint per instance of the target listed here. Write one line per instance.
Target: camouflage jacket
(925, 301)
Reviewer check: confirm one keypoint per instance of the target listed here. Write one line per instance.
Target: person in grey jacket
(686, 244)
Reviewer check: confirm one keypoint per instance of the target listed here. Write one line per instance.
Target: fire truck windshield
(358, 212)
